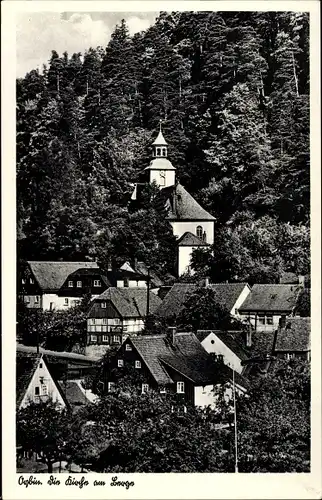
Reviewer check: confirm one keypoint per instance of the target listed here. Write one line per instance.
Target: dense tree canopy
(232, 91)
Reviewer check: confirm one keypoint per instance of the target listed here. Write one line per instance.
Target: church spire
(160, 146)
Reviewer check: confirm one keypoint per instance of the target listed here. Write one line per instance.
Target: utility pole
(235, 424)
(148, 295)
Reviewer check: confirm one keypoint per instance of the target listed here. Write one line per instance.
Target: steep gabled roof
(186, 356)
(228, 293)
(189, 239)
(174, 301)
(295, 336)
(52, 275)
(74, 394)
(182, 206)
(280, 298)
(26, 365)
(130, 302)
(227, 339)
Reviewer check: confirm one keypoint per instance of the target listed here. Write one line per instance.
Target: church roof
(160, 140)
(160, 164)
(189, 239)
(182, 206)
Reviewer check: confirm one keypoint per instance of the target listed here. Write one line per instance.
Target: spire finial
(160, 123)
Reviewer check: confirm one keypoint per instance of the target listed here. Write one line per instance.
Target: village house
(117, 313)
(266, 304)
(175, 363)
(192, 224)
(224, 345)
(59, 285)
(292, 339)
(34, 381)
(230, 296)
(50, 375)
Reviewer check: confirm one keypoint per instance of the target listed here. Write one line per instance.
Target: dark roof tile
(279, 298)
(52, 275)
(130, 302)
(182, 206)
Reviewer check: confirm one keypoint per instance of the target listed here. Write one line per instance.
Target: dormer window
(199, 232)
(97, 282)
(103, 305)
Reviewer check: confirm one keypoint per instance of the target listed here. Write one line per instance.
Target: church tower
(161, 169)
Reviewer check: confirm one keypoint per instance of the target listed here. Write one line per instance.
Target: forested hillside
(232, 89)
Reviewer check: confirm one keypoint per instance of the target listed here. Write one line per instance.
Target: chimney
(249, 337)
(301, 280)
(282, 321)
(135, 263)
(172, 330)
(206, 282)
(109, 265)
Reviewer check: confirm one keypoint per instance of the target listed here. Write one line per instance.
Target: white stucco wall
(181, 227)
(40, 379)
(239, 301)
(169, 177)
(207, 396)
(259, 327)
(213, 344)
(184, 258)
(58, 302)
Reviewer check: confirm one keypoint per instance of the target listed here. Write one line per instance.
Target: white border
(152, 486)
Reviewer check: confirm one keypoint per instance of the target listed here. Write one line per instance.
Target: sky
(38, 33)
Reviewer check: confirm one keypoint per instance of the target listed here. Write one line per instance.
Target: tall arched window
(162, 178)
(200, 232)
(164, 152)
(158, 151)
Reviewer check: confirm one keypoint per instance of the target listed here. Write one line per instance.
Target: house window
(37, 299)
(31, 281)
(70, 284)
(103, 305)
(269, 319)
(120, 363)
(261, 319)
(116, 339)
(199, 232)
(128, 347)
(117, 321)
(163, 390)
(236, 311)
(145, 388)
(137, 364)
(44, 390)
(124, 328)
(162, 178)
(180, 387)
(97, 282)
(93, 338)
(40, 365)
(110, 386)
(23, 281)
(79, 284)
(66, 302)
(104, 321)
(105, 338)
(289, 356)
(37, 391)
(51, 306)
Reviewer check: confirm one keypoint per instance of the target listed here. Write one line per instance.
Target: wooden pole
(235, 424)
(148, 293)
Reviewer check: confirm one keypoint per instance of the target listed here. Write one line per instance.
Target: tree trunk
(295, 76)
(50, 467)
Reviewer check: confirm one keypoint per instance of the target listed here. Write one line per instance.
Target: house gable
(42, 386)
